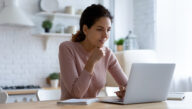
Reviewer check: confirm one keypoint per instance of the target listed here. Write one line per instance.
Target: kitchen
(27, 58)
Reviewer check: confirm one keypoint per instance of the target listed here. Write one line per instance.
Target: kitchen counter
(21, 92)
(25, 95)
(27, 91)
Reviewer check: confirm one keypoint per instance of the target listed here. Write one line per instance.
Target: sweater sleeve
(116, 71)
(76, 85)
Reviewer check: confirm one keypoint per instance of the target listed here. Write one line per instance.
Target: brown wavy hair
(89, 16)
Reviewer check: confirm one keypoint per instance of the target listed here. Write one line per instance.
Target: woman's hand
(121, 93)
(95, 56)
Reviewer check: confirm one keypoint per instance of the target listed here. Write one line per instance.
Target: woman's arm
(118, 74)
(76, 85)
(116, 71)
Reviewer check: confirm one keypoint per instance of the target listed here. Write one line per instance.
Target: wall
(144, 23)
(23, 59)
(138, 17)
(123, 17)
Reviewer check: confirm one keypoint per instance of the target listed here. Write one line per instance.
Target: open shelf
(57, 14)
(47, 36)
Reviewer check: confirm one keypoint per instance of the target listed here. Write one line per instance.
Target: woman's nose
(105, 34)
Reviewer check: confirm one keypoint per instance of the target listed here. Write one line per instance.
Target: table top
(169, 104)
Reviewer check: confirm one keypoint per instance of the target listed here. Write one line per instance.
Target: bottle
(130, 42)
(126, 42)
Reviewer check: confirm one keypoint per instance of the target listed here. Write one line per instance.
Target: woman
(84, 61)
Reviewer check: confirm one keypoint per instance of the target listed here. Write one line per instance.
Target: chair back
(3, 96)
(126, 58)
(46, 94)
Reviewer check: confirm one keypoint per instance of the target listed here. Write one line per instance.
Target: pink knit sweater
(76, 82)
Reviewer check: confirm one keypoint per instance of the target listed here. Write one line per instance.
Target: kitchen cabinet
(27, 95)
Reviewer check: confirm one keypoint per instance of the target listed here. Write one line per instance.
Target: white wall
(23, 59)
(123, 18)
(138, 16)
(144, 23)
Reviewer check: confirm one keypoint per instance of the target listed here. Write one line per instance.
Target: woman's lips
(102, 41)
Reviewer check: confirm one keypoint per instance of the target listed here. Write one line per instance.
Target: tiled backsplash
(23, 59)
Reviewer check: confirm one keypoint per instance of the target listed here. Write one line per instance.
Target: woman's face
(99, 32)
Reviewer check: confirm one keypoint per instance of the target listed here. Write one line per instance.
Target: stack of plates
(51, 5)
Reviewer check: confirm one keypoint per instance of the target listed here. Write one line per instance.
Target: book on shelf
(78, 101)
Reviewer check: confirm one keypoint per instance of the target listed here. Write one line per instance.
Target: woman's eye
(99, 29)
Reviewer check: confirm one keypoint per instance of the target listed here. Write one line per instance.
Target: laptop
(148, 82)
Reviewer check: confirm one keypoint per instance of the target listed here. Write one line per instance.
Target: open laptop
(148, 82)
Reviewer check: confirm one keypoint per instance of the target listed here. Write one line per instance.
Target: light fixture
(12, 14)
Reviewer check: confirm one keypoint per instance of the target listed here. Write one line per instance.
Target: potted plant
(54, 79)
(47, 25)
(119, 44)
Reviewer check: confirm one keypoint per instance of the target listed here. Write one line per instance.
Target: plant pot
(54, 83)
(119, 47)
(47, 30)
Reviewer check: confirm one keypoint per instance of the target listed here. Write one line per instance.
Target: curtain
(174, 39)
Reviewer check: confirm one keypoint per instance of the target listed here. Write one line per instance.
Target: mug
(69, 10)
(71, 29)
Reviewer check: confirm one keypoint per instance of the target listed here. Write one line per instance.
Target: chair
(3, 96)
(126, 58)
(48, 94)
(110, 91)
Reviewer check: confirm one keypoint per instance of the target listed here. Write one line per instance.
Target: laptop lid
(148, 82)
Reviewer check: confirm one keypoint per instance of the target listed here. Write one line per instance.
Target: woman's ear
(85, 29)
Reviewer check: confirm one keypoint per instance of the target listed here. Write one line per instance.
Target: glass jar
(131, 42)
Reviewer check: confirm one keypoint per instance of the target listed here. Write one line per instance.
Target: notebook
(148, 82)
(78, 101)
(176, 96)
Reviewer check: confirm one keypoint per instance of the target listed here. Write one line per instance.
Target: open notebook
(78, 101)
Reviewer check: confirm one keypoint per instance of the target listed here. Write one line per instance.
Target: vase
(47, 30)
(54, 83)
(119, 47)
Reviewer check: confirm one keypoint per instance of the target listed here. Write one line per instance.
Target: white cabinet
(22, 98)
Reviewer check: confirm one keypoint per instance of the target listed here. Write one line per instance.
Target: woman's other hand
(121, 93)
